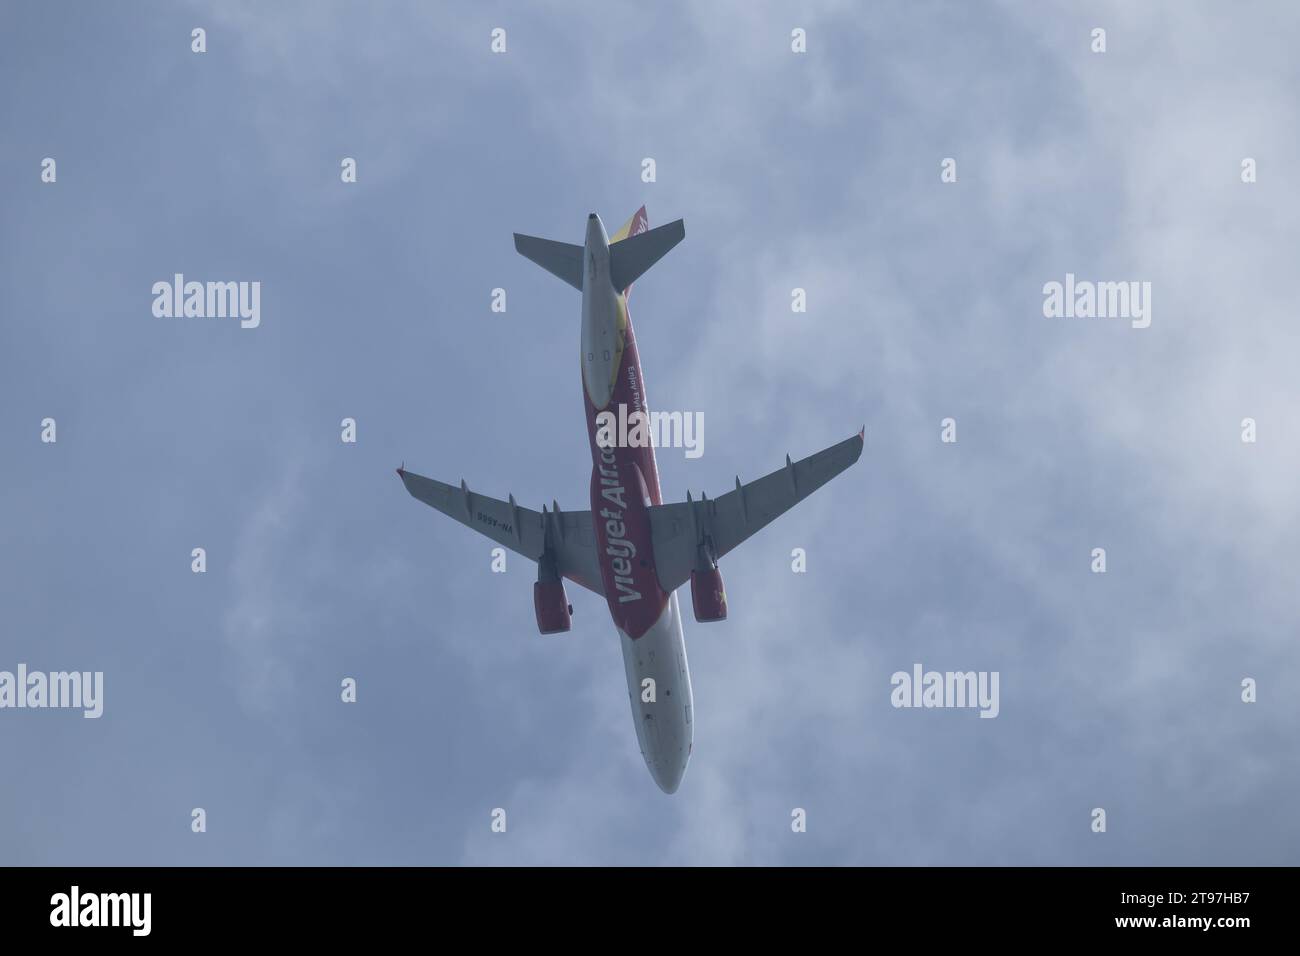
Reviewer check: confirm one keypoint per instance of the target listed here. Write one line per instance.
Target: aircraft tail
(636, 224)
(632, 251)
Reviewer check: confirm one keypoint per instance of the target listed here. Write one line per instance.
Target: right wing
(568, 534)
(679, 530)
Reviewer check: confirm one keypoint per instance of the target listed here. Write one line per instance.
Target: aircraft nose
(668, 775)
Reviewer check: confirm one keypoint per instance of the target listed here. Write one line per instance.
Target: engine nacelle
(554, 613)
(708, 597)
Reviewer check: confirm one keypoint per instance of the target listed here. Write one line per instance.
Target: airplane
(631, 548)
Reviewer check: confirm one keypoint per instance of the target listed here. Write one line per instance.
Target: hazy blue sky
(819, 171)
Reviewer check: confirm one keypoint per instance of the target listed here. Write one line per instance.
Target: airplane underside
(631, 547)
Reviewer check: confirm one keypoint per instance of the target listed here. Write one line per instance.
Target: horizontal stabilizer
(562, 259)
(630, 258)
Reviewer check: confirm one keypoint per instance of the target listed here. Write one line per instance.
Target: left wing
(689, 534)
(567, 535)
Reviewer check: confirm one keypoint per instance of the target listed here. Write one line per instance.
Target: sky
(1120, 691)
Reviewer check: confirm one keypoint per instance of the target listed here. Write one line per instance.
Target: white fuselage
(625, 484)
(663, 727)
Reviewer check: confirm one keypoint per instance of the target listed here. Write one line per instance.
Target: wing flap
(522, 530)
(678, 530)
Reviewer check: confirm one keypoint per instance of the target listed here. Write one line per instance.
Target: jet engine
(554, 612)
(708, 597)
